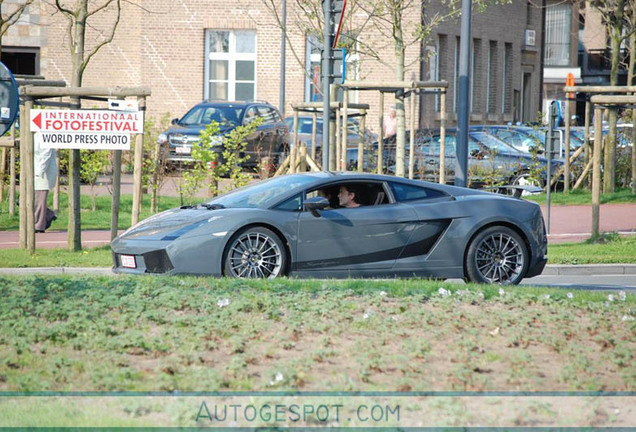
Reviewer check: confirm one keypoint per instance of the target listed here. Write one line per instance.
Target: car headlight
(162, 138)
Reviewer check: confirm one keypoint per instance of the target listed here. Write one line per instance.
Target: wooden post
(26, 165)
(137, 186)
(292, 158)
(442, 137)
(338, 141)
(156, 167)
(381, 135)
(23, 224)
(3, 171)
(12, 182)
(586, 143)
(313, 134)
(56, 188)
(333, 160)
(412, 137)
(633, 152)
(114, 215)
(361, 142)
(566, 173)
(295, 124)
(345, 129)
(303, 158)
(596, 172)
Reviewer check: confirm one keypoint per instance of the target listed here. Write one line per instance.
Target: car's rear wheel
(255, 253)
(497, 255)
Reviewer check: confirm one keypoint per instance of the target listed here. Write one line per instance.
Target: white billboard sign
(87, 121)
(80, 140)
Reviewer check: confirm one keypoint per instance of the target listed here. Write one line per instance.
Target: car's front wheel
(497, 255)
(255, 253)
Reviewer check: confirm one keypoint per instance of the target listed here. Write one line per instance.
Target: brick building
(190, 50)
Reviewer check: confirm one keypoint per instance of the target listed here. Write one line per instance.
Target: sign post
(333, 11)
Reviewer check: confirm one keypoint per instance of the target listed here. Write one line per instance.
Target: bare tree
(10, 13)
(631, 77)
(80, 17)
(393, 20)
(615, 15)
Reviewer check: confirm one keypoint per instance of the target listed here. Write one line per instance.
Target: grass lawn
(611, 248)
(584, 197)
(98, 219)
(63, 333)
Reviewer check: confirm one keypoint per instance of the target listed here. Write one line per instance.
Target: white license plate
(128, 261)
(183, 150)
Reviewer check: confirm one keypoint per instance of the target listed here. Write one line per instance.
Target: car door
(348, 239)
(427, 158)
(255, 139)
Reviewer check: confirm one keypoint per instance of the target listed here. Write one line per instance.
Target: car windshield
(493, 143)
(263, 194)
(205, 114)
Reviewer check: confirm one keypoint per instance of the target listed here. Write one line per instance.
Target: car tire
(496, 255)
(523, 178)
(255, 252)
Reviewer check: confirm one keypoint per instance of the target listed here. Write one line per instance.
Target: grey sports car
(295, 225)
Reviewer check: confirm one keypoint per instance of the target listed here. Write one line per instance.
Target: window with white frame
(230, 69)
(557, 34)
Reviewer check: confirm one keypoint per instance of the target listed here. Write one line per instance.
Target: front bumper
(197, 255)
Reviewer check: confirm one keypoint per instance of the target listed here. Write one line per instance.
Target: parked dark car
(528, 139)
(270, 139)
(305, 131)
(490, 160)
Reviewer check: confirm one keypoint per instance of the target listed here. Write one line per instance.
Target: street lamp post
(463, 107)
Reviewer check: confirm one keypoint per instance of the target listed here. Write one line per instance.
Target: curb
(588, 270)
(550, 270)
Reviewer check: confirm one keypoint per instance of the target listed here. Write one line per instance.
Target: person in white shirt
(45, 167)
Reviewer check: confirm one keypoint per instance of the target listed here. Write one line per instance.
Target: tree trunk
(400, 137)
(77, 55)
(616, 34)
(631, 74)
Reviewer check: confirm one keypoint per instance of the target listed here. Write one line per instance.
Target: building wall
(160, 44)
(501, 58)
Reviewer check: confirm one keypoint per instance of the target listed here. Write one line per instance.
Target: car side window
(267, 114)
(366, 194)
(292, 205)
(405, 192)
(250, 115)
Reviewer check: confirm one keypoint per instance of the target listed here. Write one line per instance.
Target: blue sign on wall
(9, 99)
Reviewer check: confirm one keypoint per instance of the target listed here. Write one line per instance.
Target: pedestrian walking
(45, 164)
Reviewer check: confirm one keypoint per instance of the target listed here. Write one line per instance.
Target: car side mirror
(316, 203)
(174, 121)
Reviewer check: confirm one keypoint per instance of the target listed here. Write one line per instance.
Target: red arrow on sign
(37, 120)
(338, 17)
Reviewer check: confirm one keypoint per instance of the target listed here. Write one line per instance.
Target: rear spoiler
(515, 190)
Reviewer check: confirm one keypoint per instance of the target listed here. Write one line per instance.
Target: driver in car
(348, 197)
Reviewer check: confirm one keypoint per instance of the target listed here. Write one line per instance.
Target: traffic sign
(87, 121)
(336, 16)
(83, 140)
(9, 99)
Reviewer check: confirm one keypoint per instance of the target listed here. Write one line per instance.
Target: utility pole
(327, 64)
(461, 168)
(283, 45)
